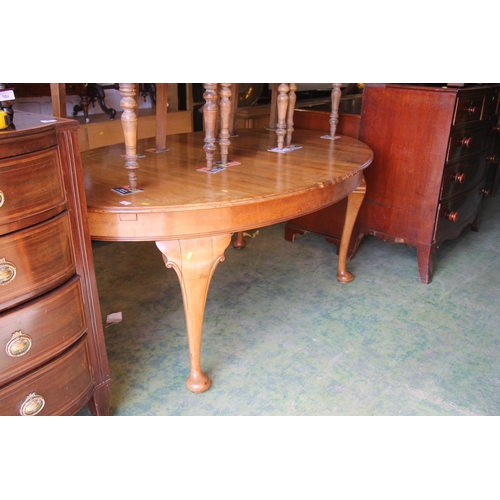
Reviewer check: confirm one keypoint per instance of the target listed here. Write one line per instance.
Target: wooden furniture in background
(53, 359)
(433, 149)
(191, 215)
(100, 130)
(493, 161)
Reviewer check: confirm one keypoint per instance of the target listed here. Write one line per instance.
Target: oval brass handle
(7, 271)
(491, 159)
(460, 178)
(18, 345)
(453, 216)
(471, 110)
(32, 405)
(466, 142)
(485, 192)
(2, 198)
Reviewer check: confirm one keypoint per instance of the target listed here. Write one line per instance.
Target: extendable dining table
(191, 209)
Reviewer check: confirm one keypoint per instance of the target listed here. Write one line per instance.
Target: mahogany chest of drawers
(433, 150)
(52, 355)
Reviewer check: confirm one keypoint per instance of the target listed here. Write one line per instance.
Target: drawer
(465, 141)
(491, 103)
(454, 214)
(493, 132)
(35, 260)
(468, 109)
(35, 332)
(60, 387)
(21, 142)
(459, 177)
(31, 190)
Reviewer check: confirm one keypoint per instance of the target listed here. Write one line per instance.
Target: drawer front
(35, 260)
(491, 103)
(16, 143)
(31, 190)
(461, 176)
(465, 141)
(58, 388)
(454, 214)
(493, 131)
(35, 332)
(468, 109)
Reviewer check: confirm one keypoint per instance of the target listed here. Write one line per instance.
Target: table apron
(194, 223)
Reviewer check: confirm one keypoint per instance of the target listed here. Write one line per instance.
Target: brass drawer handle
(32, 405)
(452, 216)
(459, 178)
(7, 271)
(491, 159)
(485, 192)
(465, 142)
(2, 198)
(471, 110)
(18, 345)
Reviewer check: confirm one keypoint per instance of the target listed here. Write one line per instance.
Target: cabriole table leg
(195, 261)
(354, 201)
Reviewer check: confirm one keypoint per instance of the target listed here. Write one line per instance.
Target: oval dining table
(192, 214)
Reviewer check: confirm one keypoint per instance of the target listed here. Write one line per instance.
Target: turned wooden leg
(128, 103)
(273, 117)
(239, 241)
(225, 112)
(195, 261)
(292, 98)
(282, 113)
(209, 120)
(334, 116)
(354, 201)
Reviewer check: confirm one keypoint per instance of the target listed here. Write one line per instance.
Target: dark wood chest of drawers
(433, 151)
(52, 357)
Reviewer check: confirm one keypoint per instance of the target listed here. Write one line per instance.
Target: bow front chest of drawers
(52, 353)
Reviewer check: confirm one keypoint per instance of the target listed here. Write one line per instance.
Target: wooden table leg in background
(195, 260)
(239, 242)
(161, 116)
(58, 95)
(225, 113)
(234, 108)
(273, 116)
(334, 116)
(128, 92)
(354, 201)
(283, 89)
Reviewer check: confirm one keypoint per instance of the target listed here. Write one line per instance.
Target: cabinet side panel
(408, 130)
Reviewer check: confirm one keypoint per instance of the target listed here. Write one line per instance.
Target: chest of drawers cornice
(52, 356)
